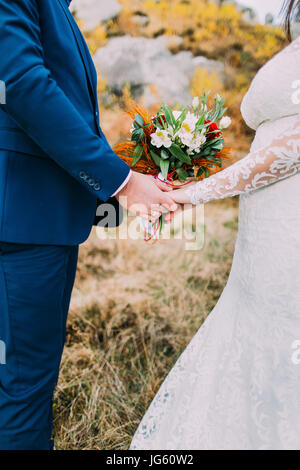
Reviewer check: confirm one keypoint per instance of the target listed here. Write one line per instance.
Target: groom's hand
(142, 196)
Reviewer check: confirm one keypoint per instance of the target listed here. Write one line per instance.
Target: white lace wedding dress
(237, 384)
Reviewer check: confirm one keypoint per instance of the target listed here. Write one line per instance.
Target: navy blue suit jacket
(55, 162)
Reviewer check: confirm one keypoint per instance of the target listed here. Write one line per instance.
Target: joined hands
(147, 197)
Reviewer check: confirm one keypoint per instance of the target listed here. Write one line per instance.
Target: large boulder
(143, 63)
(93, 12)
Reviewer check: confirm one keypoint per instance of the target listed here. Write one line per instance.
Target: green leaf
(138, 118)
(212, 159)
(200, 171)
(181, 118)
(205, 152)
(155, 158)
(201, 120)
(217, 147)
(160, 123)
(219, 114)
(164, 166)
(182, 174)
(179, 154)
(209, 143)
(169, 115)
(206, 172)
(137, 154)
(164, 155)
(138, 135)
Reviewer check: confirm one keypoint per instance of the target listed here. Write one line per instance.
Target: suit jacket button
(97, 187)
(91, 182)
(82, 174)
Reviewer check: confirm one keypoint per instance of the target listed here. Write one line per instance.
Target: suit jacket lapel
(81, 47)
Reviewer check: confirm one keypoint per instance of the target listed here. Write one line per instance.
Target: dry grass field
(135, 306)
(134, 309)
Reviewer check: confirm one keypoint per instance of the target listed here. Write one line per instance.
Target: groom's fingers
(166, 207)
(155, 214)
(150, 218)
(166, 204)
(161, 208)
(169, 217)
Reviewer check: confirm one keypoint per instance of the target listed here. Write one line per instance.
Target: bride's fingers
(163, 186)
(180, 196)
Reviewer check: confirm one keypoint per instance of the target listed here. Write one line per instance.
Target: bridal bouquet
(176, 146)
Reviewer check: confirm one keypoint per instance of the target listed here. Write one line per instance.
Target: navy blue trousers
(35, 289)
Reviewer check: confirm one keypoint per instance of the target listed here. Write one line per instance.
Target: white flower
(201, 139)
(185, 137)
(195, 102)
(196, 143)
(218, 98)
(189, 123)
(203, 108)
(187, 129)
(161, 138)
(225, 122)
(171, 131)
(193, 141)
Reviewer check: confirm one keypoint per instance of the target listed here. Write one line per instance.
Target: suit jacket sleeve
(43, 111)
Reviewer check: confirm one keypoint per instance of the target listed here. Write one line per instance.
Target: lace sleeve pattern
(266, 166)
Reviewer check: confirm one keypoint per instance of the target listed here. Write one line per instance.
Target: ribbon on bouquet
(169, 182)
(152, 230)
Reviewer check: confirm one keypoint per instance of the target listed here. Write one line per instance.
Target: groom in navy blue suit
(55, 167)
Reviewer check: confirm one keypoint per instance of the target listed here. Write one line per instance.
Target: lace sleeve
(266, 166)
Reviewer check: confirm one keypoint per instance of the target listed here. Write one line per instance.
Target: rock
(249, 15)
(93, 12)
(269, 18)
(143, 63)
(174, 41)
(140, 19)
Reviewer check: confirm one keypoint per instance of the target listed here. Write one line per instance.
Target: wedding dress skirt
(237, 384)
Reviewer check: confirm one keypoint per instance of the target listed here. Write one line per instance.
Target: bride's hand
(180, 195)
